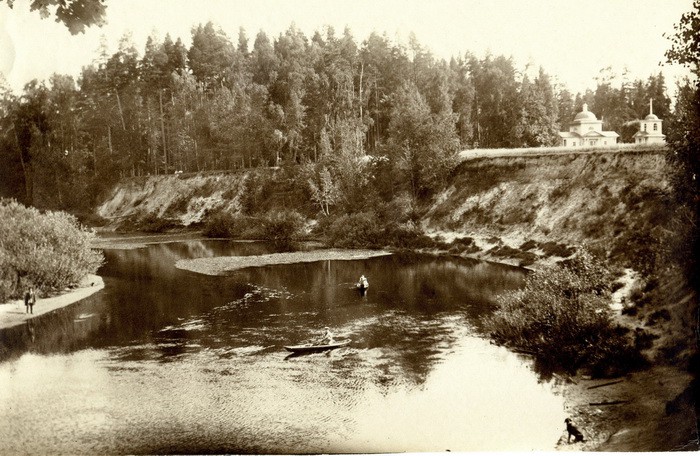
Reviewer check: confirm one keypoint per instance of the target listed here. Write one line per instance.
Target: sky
(571, 40)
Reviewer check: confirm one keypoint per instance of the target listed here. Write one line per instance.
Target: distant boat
(308, 348)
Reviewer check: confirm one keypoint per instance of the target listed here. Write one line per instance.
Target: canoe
(314, 348)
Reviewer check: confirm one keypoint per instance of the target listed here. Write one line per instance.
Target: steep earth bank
(526, 210)
(614, 201)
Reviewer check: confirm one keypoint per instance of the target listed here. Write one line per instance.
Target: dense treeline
(291, 100)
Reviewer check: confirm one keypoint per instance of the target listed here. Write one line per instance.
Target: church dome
(585, 114)
(651, 117)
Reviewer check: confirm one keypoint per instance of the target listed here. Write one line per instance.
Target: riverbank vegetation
(563, 317)
(49, 250)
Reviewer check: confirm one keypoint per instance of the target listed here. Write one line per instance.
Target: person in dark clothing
(27, 296)
(29, 300)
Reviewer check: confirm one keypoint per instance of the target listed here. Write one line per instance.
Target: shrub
(644, 340)
(366, 230)
(235, 226)
(529, 245)
(407, 236)
(661, 314)
(282, 227)
(554, 249)
(465, 241)
(630, 310)
(152, 223)
(49, 251)
(355, 231)
(178, 206)
(616, 286)
(255, 193)
(562, 315)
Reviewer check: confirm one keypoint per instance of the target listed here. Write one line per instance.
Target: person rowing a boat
(327, 336)
(363, 283)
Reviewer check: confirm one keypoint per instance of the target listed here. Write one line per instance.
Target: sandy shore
(630, 413)
(14, 313)
(138, 241)
(223, 265)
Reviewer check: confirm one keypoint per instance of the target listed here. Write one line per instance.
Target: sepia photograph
(349, 227)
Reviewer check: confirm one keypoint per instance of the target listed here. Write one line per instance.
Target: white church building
(586, 131)
(650, 129)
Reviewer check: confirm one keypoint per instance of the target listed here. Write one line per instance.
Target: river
(169, 361)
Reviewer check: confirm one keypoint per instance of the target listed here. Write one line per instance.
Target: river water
(169, 361)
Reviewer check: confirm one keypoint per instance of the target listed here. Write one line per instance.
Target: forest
(285, 101)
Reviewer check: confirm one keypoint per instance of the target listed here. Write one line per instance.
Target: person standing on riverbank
(29, 300)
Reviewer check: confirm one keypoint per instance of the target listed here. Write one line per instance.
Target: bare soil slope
(598, 198)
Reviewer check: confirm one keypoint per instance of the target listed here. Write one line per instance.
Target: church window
(645, 127)
(654, 127)
(574, 143)
(565, 142)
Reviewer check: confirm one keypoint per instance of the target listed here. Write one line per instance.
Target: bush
(255, 193)
(152, 223)
(554, 249)
(528, 245)
(407, 236)
(365, 230)
(234, 226)
(50, 251)
(562, 315)
(355, 231)
(282, 227)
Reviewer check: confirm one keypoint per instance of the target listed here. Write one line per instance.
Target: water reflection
(166, 360)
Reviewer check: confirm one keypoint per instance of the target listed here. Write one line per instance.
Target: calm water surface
(164, 360)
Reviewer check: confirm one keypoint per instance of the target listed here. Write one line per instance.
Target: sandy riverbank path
(14, 313)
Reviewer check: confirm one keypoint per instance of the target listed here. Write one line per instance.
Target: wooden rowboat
(307, 348)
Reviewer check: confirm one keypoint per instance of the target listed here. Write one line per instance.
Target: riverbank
(13, 313)
(648, 410)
